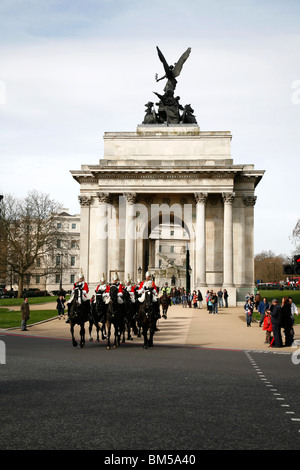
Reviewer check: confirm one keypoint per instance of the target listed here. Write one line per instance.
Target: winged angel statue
(171, 72)
(169, 108)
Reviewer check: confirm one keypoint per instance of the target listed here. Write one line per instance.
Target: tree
(28, 231)
(268, 267)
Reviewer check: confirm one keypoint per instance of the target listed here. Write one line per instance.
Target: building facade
(169, 174)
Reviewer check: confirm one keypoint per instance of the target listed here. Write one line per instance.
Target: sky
(71, 70)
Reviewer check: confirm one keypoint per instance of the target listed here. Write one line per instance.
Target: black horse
(115, 317)
(129, 316)
(78, 313)
(165, 302)
(97, 315)
(147, 318)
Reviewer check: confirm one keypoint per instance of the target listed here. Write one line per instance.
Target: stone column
(85, 234)
(103, 233)
(249, 202)
(200, 275)
(228, 240)
(130, 235)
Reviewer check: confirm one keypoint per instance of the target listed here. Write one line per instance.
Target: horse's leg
(98, 330)
(74, 342)
(90, 330)
(108, 325)
(145, 334)
(82, 335)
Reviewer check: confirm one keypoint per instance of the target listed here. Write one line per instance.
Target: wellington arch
(168, 171)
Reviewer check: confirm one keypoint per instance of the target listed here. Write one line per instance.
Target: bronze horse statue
(147, 318)
(115, 317)
(78, 313)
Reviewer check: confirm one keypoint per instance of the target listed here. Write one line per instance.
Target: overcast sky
(71, 70)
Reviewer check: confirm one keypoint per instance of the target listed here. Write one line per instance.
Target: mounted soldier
(149, 284)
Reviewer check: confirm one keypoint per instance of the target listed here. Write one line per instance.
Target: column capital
(228, 198)
(130, 197)
(249, 200)
(200, 197)
(104, 197)
(84, 201)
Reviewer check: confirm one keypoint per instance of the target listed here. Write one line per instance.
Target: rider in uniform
(130, 287)
(167, 290)
(81, 284)
(115, 282)
(146, 285)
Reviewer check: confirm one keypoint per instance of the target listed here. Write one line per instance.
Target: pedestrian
(294, 311)
(258, 299)
(209, 303)
(25, 314)
(184, 300)
(220, 297)
(275, 311)
(225, 295)
(195, 298)
(267, 326)
(262, 307)
(199, 299)
(60, 306)
(249, 306)
(286, 321)
(215, 303)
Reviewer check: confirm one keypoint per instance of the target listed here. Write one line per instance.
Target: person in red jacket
(267, 326)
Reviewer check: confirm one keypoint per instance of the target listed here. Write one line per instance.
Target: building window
(57, 278)
(58, 243)
(38, 279)
(38, 262)
(58, 260)
(172, 249)
(72, 260)
(73, 226)
(59, 225)
(72, 278)
(73, 244)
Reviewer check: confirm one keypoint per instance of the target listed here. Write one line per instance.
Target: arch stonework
(185, 171)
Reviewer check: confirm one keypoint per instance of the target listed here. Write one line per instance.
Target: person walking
(249, 306)
(199, 299)
(225, 295)
(60, 307)
(267, 326)
(262, 307)
(294, 311)
(286, 321)
(215, 303)
(25, 314)
(275, 311)
(220, 297)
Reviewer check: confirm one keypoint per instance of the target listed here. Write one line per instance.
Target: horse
(96, 316)
(129, 316)
(115, 317)
(78, 314)
(147, 317)
(165, 302)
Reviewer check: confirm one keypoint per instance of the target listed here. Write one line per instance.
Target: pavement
(184, 327)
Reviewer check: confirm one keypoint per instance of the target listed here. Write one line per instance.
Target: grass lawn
(272, 294)
(11, 319)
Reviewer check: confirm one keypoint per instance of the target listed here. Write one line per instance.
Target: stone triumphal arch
(168, 173)
(163, 173)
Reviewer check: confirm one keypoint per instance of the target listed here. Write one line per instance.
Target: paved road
(169, 398)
